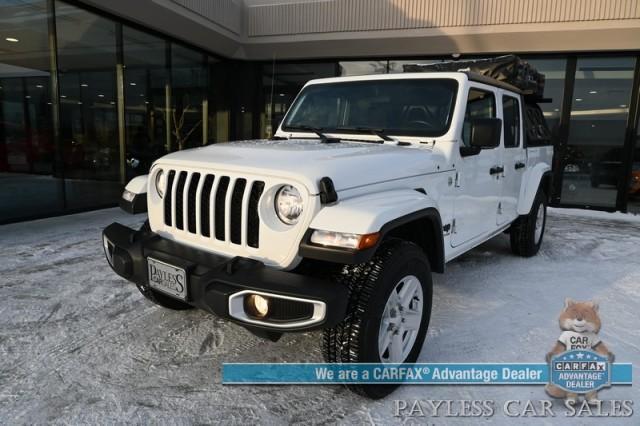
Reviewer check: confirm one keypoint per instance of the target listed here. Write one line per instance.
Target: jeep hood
(349, 164)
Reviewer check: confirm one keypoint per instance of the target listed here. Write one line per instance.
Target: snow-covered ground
(80, 345)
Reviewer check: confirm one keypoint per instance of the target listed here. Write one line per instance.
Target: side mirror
(485, 132)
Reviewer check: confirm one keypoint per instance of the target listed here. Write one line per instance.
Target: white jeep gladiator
(369, 185)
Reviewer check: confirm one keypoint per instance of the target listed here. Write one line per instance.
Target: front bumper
(218, 284)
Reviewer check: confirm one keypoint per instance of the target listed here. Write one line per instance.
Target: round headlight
(289, 204)
(161, 182)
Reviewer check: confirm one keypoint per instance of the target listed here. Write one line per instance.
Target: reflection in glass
(30, 182)
(188, 97)
(281, 83)
(554, 72)
(147, 92)
(634, 180)
(593, 164)
(88, 118)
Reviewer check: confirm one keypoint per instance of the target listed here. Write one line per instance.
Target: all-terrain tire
(370, 285)
(526, 235)
(157, 297)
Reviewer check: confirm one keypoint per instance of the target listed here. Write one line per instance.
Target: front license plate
(167, 278)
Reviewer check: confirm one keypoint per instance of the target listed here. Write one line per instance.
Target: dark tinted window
(418, 107)
(480, 104)
(511, 121)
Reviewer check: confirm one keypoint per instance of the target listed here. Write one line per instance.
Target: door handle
(496, 170)
(520, 165)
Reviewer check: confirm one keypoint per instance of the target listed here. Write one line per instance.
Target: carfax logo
(580, 372)
(579, 363)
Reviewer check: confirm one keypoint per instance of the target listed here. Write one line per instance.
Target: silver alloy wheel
(401, 321)
(539, 223)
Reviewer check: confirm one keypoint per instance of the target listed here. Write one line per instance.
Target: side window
(480, 104)
(511, 121)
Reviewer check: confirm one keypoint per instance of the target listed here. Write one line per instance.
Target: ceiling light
(63, 96)
(112, 103)
(557, 109)
(28, 97)
(593, 92)
(12, 39)
(280, 94)
(623, 106)
(141, 95)
(79, 103)
(84, 85)
(39, 86)
(132, 84)
(101, 95)
(578, 99)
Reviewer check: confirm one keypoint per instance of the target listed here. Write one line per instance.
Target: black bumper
(212, 279)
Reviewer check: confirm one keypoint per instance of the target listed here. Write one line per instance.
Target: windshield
(407, 107)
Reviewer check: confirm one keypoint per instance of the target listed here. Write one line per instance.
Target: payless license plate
(167, 278)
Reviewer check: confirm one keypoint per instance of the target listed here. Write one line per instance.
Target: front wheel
(527, 231)
(388, 312)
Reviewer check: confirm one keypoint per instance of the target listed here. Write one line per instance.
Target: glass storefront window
(594, 161)
(188, 97)
(147, 93)
(281, 83)
(554, 71)
(219, 106)
(88, 119)
(30, 181)
(634, 179)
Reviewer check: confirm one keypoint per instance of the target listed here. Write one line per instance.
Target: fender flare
(381, 212)
(530, 184)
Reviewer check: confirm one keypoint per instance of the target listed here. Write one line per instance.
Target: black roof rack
(508, 71)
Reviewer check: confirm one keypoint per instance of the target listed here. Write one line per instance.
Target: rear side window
(511, 121)
(480, 104)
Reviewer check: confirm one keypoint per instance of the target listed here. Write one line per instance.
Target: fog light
(256, 306)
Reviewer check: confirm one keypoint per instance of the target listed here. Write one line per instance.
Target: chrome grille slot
(222, 209)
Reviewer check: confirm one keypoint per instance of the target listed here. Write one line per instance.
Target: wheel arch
(537, 177)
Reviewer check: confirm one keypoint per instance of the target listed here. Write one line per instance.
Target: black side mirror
(485, 132)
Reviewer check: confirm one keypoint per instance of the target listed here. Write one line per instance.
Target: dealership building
(91, 92)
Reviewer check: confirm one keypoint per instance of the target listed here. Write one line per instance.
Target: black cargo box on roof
(508, 69)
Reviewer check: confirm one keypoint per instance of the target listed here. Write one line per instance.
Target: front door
(513, 159)
(478, 185)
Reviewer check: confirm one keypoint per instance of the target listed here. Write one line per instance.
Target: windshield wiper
(318, 131)
(377, 132)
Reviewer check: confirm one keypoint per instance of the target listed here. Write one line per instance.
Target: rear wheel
(527, 231)
(388, 312)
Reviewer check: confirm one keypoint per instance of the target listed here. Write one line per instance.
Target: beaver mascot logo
(580, 324)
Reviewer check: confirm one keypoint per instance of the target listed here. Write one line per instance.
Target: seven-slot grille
(223, 208)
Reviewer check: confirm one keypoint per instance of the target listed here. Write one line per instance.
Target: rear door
(513, 157)
(478, 190)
